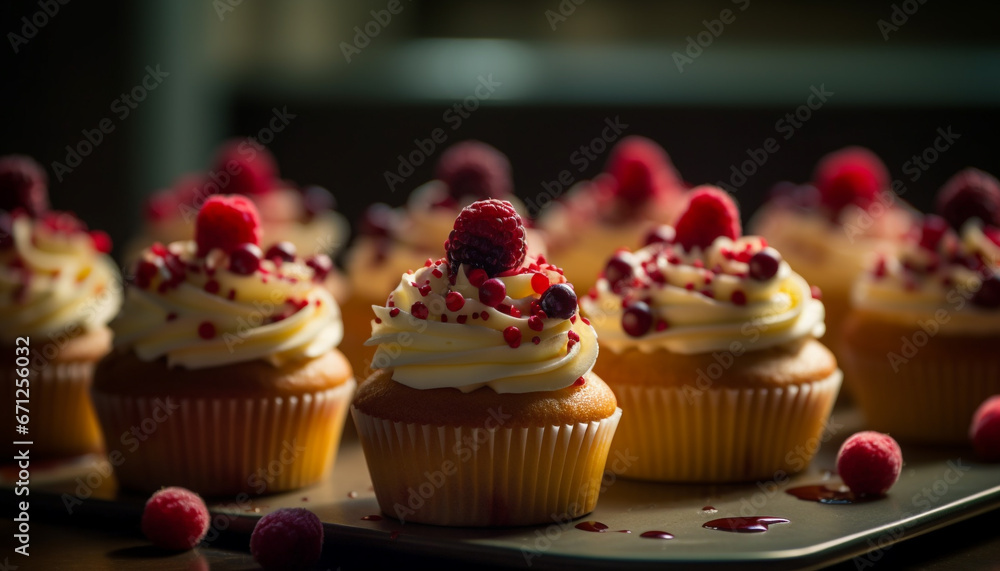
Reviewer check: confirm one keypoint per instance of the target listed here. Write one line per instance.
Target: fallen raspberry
(869, 462)
(289, 538)
(489, 235)
(985, 430)
(475, 170)
(853, 175)
(226, 222)
(250, 169)
(971, 193)
(710, 213)
(175, 518)
(640, 169)
(23, 184)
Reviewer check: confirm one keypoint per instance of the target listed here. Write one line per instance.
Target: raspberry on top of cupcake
(484, 315)
(701, 285)
(639, 189)
(945, 263)
(227, 297)
(55, 274)
(304, 216)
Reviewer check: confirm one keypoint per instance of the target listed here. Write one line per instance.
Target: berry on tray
(175, 518)
(489, 235)
(226, 222)
(869, 463)
(985, 430)
(289, 538)
(711, 213)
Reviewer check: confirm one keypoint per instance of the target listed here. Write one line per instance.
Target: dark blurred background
(209, 70)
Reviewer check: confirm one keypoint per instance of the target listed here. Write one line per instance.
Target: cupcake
(393, 240)
(638, 191)
(224, 377)
(921, 340)
(58, 291)
(302, 216)
(708, 340)
(484, 410)
(829, 229)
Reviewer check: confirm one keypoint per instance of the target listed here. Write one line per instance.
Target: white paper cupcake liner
(678, 434)
(463, 476)
(224, 446)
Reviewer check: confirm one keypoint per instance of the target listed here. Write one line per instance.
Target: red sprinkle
(378, 320)
(739, 297)
(579, 382)
(462, 318)
(212, 286)
(816, 292)
(573, 336)
(485, 315)
(585, 320)
(662, 324)
(419, 310)
(536, 339)
(206, 330)
(539, 283)
(394, 312)
(535, 323)
(454, 300)
(232, 295)
(512, 335)
(444, 318)
(436, 272)
(424, 290)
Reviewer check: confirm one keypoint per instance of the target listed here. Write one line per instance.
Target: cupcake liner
(680, 434)
(223, 446)
(462, 476)
(928, 400)
(62, 422)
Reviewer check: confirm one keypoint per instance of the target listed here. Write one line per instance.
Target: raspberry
(251, 169)
(474, 170)
(869, 462)
(985, 430)
(175, 518)
(226, 222)
(971, 193)
(289, 538)
(853, 175)
(23, 184)
(710, 213)
(488, 235)
(640, 169)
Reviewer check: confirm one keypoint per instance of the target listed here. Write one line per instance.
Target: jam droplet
(656, 535)
(756, 524)
(372, 518)
(825, 495)
(594, 526)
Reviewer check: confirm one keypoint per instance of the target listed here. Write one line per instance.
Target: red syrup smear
(757, 524)
(824, 495)
(657, 535)
(594, 526)
(372, 518)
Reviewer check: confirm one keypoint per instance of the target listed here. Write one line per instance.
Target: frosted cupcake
(708, 339)
(921, 341)
(829, 230)
(225, 360)
(638, 191)
(58, 291)
(484, 389)
(391, 241)
(302, 216)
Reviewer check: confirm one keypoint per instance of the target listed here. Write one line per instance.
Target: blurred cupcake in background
(302, 216)
(828, 230)
(58, 291)
(638, 190)
(394, 240)
(920, 344)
